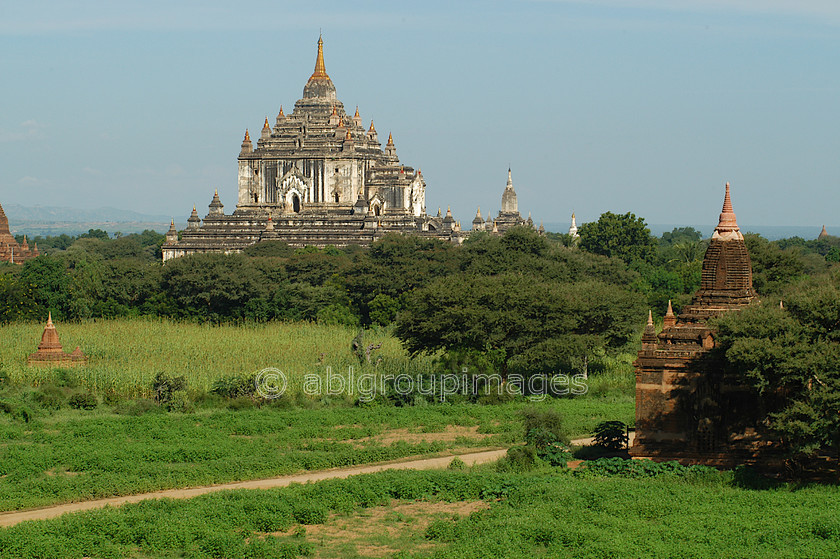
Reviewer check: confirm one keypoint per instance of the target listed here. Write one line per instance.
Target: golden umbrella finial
(320, 71)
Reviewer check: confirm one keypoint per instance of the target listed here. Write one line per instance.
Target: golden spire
(247, 137)
(334, 113)
(347, 137)
(320, 71)
(357, 112)
(390, 139)
(372, 129)
(281, 111)
(266, 124)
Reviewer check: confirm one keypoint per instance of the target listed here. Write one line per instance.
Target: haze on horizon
(606, 105)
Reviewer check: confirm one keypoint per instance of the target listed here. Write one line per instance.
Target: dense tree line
(521, 301)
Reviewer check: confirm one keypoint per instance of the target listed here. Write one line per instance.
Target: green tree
(528, 326)
(619, 236)
(791, 357)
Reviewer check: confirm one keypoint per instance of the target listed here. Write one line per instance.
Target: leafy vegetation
(555, 513)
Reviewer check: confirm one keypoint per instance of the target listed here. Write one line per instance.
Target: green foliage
(640, 469)
(790, 356)
(619, 236)
(142, 448)
(49, 397)
(532, 327)
(165, 386)
(611, 435)
(235, 386)
(650, 510)
(83, 401)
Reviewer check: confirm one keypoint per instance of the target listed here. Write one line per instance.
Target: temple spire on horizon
(320, 70)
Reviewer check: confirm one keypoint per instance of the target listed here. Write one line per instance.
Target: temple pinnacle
(266, 124)
(320, 71)
(390, 139)
(727, 215)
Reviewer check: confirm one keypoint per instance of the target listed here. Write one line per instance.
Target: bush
(164, 386)
(83, 401)
(49, 397)
(456, 464)
(235, 386)
(518, 459)
(611, 435)
(180, 403)
(310, 513)
(543, 428)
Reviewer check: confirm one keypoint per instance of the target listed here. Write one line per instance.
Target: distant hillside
(54, 220)
(48, 214)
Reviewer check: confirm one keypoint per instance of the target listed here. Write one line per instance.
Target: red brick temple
(687, 409)
(50, 352)
(10, 250)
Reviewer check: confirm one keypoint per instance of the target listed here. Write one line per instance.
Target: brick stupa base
(51, 354)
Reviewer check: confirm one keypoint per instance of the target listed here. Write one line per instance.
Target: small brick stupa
(50, 352)
(686, 407)
(10, 250)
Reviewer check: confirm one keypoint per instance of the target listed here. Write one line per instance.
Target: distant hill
(55, 220)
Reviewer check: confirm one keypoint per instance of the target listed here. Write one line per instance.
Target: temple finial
(320, 71)
(650, 318)
(266, 124)
(727, 215)
(357, 112)
(670, 320)
(390, 139)
(49, 320)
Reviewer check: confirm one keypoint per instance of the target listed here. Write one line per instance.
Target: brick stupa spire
(51, 353)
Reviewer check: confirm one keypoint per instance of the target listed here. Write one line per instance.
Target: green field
(125, 354)
(50, 453)
(542, 514)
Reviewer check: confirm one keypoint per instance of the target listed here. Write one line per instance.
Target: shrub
(611, 435)
(518, 459)
(83, 401)
(310, 513)
(235, 386)
(180, 403)
(543, 428)
(49, 397)
(164, 386)
(456, 464)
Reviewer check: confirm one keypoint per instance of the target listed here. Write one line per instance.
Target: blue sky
(646, 106)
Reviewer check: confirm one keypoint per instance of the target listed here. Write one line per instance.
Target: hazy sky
(646, 106)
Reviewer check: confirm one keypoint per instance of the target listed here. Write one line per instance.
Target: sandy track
(16, 517)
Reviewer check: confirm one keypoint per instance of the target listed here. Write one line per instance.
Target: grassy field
(460, 514)
(125, 355)
(75, 455)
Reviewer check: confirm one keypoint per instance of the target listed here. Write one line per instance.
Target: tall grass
(125, 354)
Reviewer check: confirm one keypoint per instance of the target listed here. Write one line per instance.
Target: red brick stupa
(686, 407)
(10, 250)
(51, 353)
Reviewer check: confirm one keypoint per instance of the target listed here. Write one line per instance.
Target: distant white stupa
(573, 228)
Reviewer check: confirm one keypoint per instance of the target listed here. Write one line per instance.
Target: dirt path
(15, 517)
